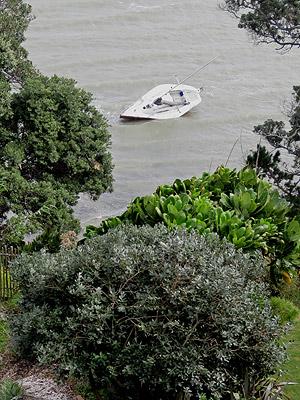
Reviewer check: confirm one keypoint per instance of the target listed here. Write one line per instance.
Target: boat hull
(146, 107)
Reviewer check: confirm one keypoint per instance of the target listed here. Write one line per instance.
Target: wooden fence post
(7, 285)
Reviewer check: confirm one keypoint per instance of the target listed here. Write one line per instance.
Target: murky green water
(118, 50)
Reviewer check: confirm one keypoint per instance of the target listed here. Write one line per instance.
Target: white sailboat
(166, 101)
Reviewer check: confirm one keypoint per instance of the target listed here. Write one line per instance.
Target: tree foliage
(275, 21)
(269, 21)
(284, 175)
(147, 313)
(53, 142)
(53, 145)
(15, 16)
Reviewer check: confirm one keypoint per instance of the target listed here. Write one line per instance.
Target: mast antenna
(197, 70)
(192, 74)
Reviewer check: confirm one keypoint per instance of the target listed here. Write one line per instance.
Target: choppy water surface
(118, 50)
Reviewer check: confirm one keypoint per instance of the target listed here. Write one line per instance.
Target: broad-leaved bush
(237, 205)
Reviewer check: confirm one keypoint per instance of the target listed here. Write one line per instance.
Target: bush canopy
(148, 313)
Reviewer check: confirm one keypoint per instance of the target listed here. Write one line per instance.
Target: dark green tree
(269, 21)
(53, 145)
(53, 142)
(284, 175)
(15, 16)
(275, 21)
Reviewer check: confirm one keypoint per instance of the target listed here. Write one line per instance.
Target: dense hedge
(237, 205)
(148, 313)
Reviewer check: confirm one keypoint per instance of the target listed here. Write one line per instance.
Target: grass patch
(6, 307)
(10, 304)
(292, 292)
(4, 335)
(7, 285)
(292, 366)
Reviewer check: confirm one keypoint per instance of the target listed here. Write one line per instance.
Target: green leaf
(293, 231)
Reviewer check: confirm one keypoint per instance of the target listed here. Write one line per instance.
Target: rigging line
(189, 76)
(197, 70)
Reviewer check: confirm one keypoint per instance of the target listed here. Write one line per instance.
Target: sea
(118, 50)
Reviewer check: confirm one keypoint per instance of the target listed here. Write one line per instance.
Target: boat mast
(195, 72)
(189, 76)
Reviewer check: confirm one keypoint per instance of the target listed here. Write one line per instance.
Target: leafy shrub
(148, 313)
(83, 389)
(284, 309)
(10, 390)
(237, 205)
